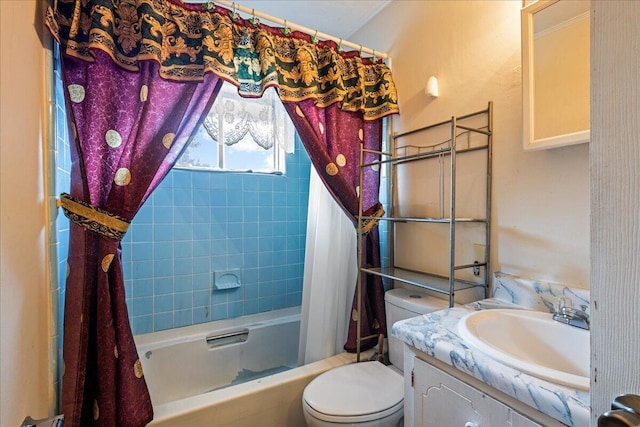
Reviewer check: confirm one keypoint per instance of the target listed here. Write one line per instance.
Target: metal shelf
(421, 155)
(435, 220)
(432, 282)
(447, 151)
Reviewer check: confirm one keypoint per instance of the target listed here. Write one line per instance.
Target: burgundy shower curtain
(333, 138)
(139, 76)
(127, 131)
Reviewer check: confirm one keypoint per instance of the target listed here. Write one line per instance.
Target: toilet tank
(403, 304)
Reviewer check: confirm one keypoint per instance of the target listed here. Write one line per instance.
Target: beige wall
(24, 308)
(541, 199)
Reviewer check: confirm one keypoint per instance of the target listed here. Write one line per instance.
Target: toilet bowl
(368, 394)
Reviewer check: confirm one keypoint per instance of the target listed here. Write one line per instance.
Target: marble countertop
(436, 334)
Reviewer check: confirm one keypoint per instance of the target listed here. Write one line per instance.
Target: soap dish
(229, 279)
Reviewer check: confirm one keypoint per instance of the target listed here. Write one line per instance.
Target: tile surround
(196, 223)
(61, 169)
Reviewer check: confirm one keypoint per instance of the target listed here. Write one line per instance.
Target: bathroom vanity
(466, 405)
(447, 382)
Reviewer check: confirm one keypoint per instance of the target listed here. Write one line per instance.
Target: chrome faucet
(565, 313)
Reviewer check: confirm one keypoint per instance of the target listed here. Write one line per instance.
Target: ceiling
(339, 18)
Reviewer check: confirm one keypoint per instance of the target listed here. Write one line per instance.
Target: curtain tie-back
(369, 223)
(94, 219)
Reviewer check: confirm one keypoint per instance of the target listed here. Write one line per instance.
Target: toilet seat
(337, 419)
(354, 393)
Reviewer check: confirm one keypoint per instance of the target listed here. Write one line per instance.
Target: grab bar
(227, 338)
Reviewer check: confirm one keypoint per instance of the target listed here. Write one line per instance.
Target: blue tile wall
(196, 223)
(62, 179)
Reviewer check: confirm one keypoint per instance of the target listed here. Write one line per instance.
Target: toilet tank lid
(415, 301)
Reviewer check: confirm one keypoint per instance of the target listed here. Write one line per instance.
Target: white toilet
(368, 394)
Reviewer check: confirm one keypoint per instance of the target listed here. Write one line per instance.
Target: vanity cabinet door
(441, 400)
(518, 420)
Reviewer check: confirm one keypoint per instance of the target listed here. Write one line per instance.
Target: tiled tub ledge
(436, 335)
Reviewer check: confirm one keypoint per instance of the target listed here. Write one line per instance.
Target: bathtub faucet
(565, 313)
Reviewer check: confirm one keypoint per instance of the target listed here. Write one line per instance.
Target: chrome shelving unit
(450, 148)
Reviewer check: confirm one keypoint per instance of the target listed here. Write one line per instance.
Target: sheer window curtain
(330, 276)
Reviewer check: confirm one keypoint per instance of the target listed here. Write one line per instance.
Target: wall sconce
(432, 87)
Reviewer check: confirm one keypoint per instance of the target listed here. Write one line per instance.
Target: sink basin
(531, 342)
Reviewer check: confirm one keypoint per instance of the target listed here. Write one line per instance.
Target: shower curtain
(334, 138)
(330, 275)
(133, 52)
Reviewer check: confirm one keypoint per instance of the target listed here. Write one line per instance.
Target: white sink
(531, 342)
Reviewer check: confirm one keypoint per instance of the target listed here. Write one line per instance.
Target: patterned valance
(188, 40)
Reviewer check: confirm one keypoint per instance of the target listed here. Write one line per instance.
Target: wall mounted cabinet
(555, 73)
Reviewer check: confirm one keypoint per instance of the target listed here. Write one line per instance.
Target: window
(241, 134)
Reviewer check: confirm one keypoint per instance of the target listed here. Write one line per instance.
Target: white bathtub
(189, 361)
(190, 383)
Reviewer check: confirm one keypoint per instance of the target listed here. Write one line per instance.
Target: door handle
(619, 418)
(627, 402)
(625, 412)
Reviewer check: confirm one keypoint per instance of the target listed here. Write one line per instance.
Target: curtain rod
(294, 26)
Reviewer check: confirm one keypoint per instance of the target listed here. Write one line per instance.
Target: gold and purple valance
(188, 40)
